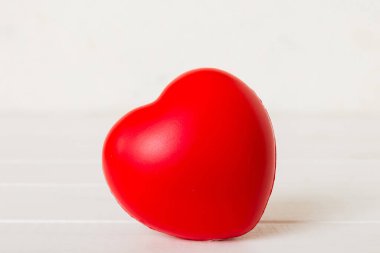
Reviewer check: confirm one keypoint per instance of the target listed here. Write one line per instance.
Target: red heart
(199, 162)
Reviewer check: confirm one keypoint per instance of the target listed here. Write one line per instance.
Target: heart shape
(197, 163)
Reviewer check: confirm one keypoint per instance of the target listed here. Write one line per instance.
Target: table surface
(54, 198)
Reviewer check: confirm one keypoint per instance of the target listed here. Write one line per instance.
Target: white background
(70, 69)
(101, 56)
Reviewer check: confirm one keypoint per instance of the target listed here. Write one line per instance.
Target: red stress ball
(197, 163)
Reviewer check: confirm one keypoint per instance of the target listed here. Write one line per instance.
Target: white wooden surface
(81, 55)
(53, 197)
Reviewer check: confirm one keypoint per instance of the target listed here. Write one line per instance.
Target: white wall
(100, 56)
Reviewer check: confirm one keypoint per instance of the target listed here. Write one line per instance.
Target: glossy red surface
(199, 162)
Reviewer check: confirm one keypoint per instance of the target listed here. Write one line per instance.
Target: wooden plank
(133, 237)
(51, 173)
(46, 202)
(294, 200)
(68, 149)
(67, 138)
(288, 171)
